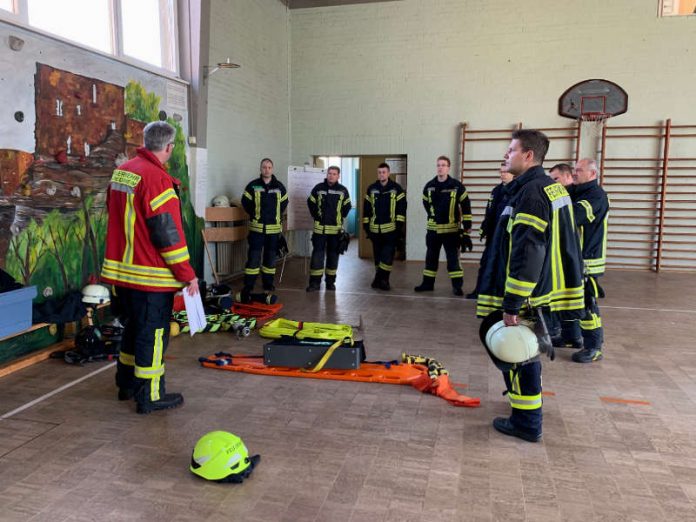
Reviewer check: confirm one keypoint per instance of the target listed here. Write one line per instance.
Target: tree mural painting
(52, 202)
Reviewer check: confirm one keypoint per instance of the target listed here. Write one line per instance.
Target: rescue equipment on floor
(280, 327)
(260, 311)
(221, 456)
(386, 372)
(223, 321)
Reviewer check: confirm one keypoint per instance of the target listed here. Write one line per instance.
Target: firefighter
(591, 208)
(494, 207)
(447, 205)
(329, 204)
(535, 258)
(384, 219)
(265, 200)
(147, 261)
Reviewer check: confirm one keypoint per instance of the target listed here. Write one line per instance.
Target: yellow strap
(324, 358)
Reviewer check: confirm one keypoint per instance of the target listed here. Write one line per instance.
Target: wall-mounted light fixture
(209, 70)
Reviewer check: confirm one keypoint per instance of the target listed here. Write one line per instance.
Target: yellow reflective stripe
(532, 221)
(593, 323)
(246, 195)
(490, 300)
(466, 217)
(425, 198)
(588, 210)
(385, 267)
(267, 270)
(126, 359)
(326, 229)
(154, 389)
(525, 402)
(257, 205)
(453, 205)
(312, 198)
(129, 227)
(252, 271)
(283, 197)
(149, 372)
(160, 200)
(519, 287)
(173, 257)
(401, 218)
(429, 273)
(591, 270)
(316, 271)
(386, 227)
(331, 271)
(464, 196)
(456, 273)
(484, 310)
(442, 228)
(401, 196)
(278, 200)
(366, 220)
(130, 179)
(139, 275)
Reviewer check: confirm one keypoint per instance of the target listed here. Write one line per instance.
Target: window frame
(169, 36)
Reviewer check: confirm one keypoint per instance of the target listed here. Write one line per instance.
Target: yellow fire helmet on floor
(222, 457)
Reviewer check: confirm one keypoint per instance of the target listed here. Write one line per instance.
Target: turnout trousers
(262, 247)
(146, 317)
(591, 323)
(434, 242)
(324, 258)
(524, 393)
(383, 248)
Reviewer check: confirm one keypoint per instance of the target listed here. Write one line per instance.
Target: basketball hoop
(594, 122)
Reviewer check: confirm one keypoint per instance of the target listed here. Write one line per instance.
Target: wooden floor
(340, 451)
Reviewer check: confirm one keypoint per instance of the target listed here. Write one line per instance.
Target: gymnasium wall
(398, 77)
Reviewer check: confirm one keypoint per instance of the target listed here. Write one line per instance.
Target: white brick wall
(398, 77)
(248, 108)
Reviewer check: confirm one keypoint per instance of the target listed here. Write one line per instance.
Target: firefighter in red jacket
(147, 261)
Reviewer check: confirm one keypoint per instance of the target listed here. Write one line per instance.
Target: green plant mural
(61, 250)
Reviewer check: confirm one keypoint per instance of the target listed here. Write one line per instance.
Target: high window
(677, 7)
(141, 31)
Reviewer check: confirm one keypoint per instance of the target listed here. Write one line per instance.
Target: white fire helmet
(221, 201)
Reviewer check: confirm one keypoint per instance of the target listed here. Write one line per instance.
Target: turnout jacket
(329, 205)
(591, 207)
(145, 242)
(535, 251)
(496, 203)
(446, 203)
(265, 204)
(384, 207)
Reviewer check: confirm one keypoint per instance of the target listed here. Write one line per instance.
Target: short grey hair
(157, 135)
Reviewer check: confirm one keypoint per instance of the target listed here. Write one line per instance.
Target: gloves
(465, 241)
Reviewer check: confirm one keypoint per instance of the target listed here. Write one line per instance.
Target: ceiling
(303, 4)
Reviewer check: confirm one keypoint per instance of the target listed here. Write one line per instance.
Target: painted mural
(52, 201)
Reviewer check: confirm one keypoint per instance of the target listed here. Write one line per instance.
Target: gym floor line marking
(669, 310)
(617, 400)
(54, 392)
(387, 294)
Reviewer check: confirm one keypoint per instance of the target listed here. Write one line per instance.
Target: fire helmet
(508, 346)
(222, 457)
(221, 201)
(95, 294)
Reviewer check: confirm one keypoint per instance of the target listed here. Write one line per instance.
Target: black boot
(314, 284)
(330, 282)
(457, 290)
(375, 281)
(166, 401)
(427, 285)
(384, 281)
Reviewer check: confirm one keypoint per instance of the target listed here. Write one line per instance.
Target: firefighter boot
(375, 281)
(587, 355)
(427, 285)
(383, 282)
(330, 281)
(166, 401)
(314, 283)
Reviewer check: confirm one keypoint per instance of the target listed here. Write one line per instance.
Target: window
(677, 7)
(135, 30)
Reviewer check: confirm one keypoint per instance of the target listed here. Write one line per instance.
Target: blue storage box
(15, 310)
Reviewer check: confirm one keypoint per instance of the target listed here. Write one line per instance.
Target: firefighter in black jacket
(447, 204)
(265, 200)
(384, 218)
(329, 204)
(591, 208)
(535, 257)
(494, 207)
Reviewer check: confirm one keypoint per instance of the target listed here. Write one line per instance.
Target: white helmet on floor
(221, 201)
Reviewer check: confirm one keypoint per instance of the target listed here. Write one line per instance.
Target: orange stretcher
(260, 311)
(415, 375)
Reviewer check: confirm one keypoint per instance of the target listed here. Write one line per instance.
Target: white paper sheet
(194, 311)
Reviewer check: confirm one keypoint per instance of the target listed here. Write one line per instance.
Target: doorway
(358, 173)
